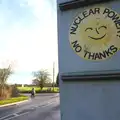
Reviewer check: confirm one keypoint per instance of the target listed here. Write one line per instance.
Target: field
(37, 89)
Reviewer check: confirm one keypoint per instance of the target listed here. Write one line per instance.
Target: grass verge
(13, 100)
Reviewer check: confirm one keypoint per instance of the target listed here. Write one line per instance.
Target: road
(42, 107)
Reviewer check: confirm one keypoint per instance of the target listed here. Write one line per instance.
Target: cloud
(29, 35)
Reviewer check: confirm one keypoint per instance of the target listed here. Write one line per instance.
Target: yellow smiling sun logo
(97, 29)
(95, 33)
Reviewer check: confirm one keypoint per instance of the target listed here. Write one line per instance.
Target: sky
(28, 37)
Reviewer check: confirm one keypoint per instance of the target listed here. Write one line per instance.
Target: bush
(15, 91)
(5, 92)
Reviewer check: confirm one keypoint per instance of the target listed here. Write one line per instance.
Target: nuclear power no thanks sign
(95, 33)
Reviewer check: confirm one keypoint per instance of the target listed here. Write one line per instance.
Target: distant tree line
(33, 85)
(42, 79)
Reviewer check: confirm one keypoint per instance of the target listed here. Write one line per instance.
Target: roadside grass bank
(13, 100)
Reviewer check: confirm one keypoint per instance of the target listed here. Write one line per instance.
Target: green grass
(37, 89)
(28, 88)
(13, 100)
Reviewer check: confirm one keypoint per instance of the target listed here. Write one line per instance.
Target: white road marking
(17, 115)
(2, 118)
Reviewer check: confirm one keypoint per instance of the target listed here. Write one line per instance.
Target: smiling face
(96, 31)
(90, 29)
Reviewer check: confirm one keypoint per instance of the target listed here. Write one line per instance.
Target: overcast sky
(28, 37)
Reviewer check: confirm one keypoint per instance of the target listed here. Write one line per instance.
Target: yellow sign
(95, 33)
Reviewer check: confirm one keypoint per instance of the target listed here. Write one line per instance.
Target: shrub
(5, 92)
(15, 91)
(8, 91)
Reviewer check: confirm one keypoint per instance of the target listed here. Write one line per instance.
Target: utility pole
(53, 74)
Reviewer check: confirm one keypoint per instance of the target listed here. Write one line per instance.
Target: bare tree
(41, 78)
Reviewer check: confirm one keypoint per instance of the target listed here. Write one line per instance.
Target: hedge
(38, 90)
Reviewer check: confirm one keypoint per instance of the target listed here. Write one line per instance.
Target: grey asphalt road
(42, 107)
